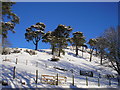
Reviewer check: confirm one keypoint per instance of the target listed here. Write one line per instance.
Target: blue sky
(88, 17)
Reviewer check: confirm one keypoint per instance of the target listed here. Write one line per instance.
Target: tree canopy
(9, 19)
(34, 33)
(77, 40)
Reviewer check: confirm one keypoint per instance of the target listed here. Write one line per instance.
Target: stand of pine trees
(106, 46)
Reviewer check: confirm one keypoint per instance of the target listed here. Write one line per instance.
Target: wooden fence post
(57, 80)
(45, 65)
(36, 76)
(26, 62)
(16, 60)
(73, 80)
(86, 81)
(36, 64)
(118, 80)
(98, 81)
(14, 72)
(41, 79)
(99, 75)
(109, 82)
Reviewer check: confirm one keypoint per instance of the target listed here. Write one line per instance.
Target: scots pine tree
(61, 34)
(34, 33)
(92, 43)
(78, 40)
(49, 37)
(101, 46)
(84, 46)
(9, 19)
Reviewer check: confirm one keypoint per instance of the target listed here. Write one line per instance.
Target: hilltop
(27, 65)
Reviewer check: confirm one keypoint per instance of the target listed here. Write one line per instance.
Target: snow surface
(41, 62)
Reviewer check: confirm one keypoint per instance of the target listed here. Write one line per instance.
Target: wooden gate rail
(49, 79)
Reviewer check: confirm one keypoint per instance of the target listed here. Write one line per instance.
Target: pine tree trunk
(36, 45)
(76, 50)
(82, 51)
(59, 49)
(90, 57)
(96, 52)
(101, 58)
(53, 49)
(59, 53)
(91, 54)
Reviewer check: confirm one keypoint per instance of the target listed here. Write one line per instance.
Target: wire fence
(17, 77)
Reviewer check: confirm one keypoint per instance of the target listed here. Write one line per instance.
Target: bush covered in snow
(6, 51)
(10, 50)
(16, 51)
(31, 52)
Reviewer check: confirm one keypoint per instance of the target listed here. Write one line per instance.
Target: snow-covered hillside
(28, 64)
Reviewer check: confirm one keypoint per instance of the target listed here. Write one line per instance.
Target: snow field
(28, 64)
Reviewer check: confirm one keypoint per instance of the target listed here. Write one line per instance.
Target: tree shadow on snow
(40, 50)
(74, 55)
(16, 83)
(71, 86)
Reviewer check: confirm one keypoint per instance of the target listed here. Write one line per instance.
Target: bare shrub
(6, 51)
(16, 51)
(31, 52)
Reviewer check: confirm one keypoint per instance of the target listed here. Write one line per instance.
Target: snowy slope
(41, 62)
